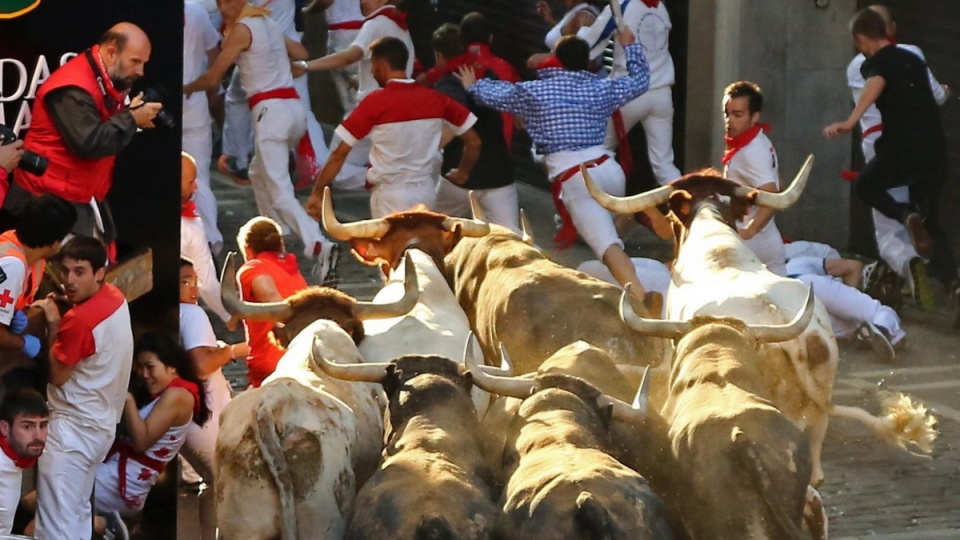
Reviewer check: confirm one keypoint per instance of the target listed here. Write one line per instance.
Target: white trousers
(893, 240)
(320, 150)
(654, 276)
(387, 199)
(67, 470)
(237, 139)
(353, 173)
(653, 109)
(344, 78)
(848, 307)
(594, 223)
(501, 205)
(280, 123)
(198, 142)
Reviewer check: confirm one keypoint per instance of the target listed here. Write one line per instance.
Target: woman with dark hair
(155, 432)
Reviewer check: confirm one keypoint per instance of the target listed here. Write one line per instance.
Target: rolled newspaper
(617, 14)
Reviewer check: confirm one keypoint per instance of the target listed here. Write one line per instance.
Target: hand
(457, 177)
(232, 323)
(299, 68)
(836, 129)
(31, 346)
(10, 155)
(144, 114)
(50, 309)
(240, 350)
(19, 322)
(626, 37)
(314, 205)
(746, 233)
(545, 11)
(536, 59)
(467, 76)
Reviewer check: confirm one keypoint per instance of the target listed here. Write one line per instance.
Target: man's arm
(331, 61)
(499, 95)
(77, 119)
(209, 359)
(637, 82)
(295, 49)
(330, 171)
(871, 91)
(237, 41)
(471, 151)
(60, 372)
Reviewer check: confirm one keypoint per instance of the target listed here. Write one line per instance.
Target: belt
(872, 129)
(346, 25)
(279, 93)
(567, 234)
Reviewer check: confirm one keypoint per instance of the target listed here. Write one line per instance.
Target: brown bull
(432, 482)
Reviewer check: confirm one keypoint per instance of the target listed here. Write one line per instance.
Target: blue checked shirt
(567, 110)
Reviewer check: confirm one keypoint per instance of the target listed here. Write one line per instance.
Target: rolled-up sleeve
(500, 95)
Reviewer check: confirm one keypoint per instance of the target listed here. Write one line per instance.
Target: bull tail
(272, 452)
(903, 422)
(746, 451)
(591, 519)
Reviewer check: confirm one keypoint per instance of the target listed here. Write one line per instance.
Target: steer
(291, 453)
(716, 274)
(514, 295)
(563, 482)
(742, 468)
(432, 482)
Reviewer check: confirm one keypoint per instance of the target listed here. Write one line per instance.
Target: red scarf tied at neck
(392, 13)
(188, 209)
(21, 462)
(189, 387)
(115, 96)
(735, 144)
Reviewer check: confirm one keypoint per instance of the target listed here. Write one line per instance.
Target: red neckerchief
(188, 209)
(392, 13)
(189, 387)
(734, 144)
(551, 62)
(22, 462)
(115, 95)
(652, 3)
(287, 262)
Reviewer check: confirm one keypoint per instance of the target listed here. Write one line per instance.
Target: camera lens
(164, 120)
(33, 163)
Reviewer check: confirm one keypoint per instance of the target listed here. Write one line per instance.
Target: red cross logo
(5, 298)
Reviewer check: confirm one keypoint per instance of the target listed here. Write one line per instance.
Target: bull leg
(816, 433)
(815, 515)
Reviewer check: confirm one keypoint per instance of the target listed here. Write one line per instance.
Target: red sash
(849, 175)
(127, 453)
(567, 234)
(346, 25)
(735, 144)
(623, 144)
(279, 93)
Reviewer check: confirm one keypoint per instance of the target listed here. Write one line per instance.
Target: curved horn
(626, 205)
(503, 386)
(251, 311)
(773, 333)
(411, 295)
(632, 414)
(373, 373)
(526, 229)
(786, 198)
(506, 363)
(475, 208)
(468, 227)
(368, 228)
(650, 327)
(474, 362)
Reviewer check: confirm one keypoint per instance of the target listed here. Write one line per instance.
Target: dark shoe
(920, 284)
(918, 234)
(883, 284)
(877, 340)
(228, 166)
(116, 528)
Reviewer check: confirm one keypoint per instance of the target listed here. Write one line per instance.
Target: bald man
(81, 122)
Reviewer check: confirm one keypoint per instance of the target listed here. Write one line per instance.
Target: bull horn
(526, 229)
(786, 198)
(475, 208)
(368, 228)
(474, 362)
(468, 227)
(626, 205)
(774, 333)
(506, 363)
(372, 373)
(650, 327)
(411, 295)
(251, 311)
(632, 414)
(503, 386)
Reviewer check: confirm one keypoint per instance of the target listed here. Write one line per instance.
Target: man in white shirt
(193, 238)
(24, 418)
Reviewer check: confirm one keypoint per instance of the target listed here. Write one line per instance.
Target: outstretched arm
(871, 91)
(237, 41)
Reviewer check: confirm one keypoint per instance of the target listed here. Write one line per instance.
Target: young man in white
(650, 22)
(91, 354)
(382, 19)
(193, 238)
(24, 420)
(405, 122)
(262, 53)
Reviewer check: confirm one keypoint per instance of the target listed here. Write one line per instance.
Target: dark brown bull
(562, 481)
(432, 482)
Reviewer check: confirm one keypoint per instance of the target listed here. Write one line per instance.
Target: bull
(432, 482)
(290, 454)
(561, 480)
(716, 274)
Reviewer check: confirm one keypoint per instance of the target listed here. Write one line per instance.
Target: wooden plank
(133, 275)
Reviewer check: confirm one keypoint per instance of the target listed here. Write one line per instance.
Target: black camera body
(163, 118)
(30, 162)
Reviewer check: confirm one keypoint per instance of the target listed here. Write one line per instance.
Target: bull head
(522, 388)
(763, 333)
(282, 311)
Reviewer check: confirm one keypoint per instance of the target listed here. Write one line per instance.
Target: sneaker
(116, 528)
(918, 234)
(877, 340)
(326, 264)
(920, 284)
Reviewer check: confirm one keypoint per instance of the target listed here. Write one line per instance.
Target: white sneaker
(877, 340)
(327, 260)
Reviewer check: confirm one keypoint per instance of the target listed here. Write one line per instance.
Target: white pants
(893, 240)
(344, 78)
(67, 470)
(848, 307)
(501, 205)
(594, 223)
(353, 174)
(387, 199)
(767, 245)
(654, 276)
(803, 248)
(280, 123)
(654, 109)
(237, 122)
(317, 139)
(198, 142)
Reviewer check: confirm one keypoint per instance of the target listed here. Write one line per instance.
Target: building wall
(798, 54)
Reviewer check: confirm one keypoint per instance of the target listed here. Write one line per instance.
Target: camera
(30, 162)
(163, 118)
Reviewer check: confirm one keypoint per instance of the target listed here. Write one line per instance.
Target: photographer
(80, 123)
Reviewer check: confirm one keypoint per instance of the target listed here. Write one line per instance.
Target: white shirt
(12, 276)
(284, 13)
(196, 331)
(10, 478)
(193, 246)
(264, 65)
(373, 29)
(199, 36)
(341, 11)
(555, 33)
(652, 28)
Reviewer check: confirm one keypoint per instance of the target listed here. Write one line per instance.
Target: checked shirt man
(566, 113)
